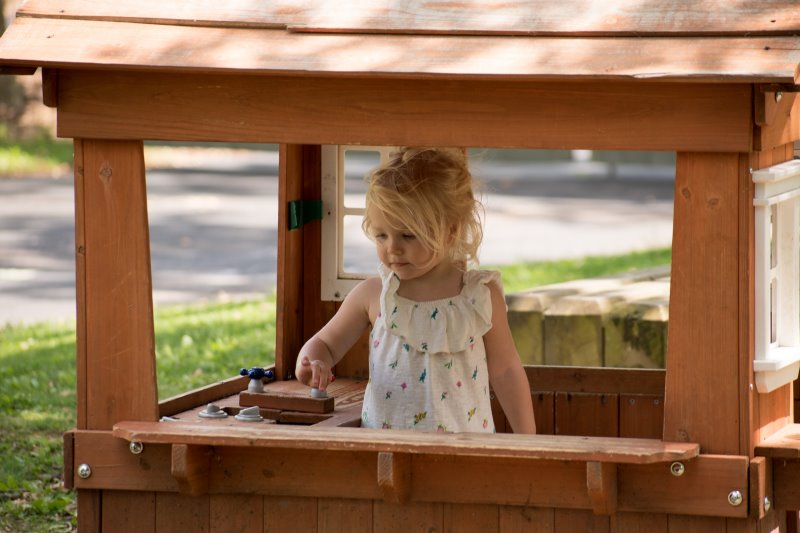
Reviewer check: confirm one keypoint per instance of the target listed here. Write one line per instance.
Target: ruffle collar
(449, 325)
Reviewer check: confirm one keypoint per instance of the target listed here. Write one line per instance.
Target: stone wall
(614, 321)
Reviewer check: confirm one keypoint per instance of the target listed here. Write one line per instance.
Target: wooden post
(115, 339)
(300, 313)
(702, 393)
(116, 376)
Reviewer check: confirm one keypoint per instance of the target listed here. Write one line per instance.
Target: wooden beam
(190, 465)
(116, 344)
(477, 112)
(601, 482)
(394, 476)
(702, 384)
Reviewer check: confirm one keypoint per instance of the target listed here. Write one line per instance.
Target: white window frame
(777, 275)
(335, 281)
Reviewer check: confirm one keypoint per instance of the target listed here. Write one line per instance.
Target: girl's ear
(451, 235)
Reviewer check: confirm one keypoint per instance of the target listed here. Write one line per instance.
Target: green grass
(40, 154)
(195, 345)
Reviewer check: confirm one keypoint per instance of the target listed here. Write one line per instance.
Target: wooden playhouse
(709, 444)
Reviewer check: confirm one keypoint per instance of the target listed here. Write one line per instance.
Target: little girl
(440, 333)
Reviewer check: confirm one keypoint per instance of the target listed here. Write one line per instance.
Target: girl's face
(399, 249)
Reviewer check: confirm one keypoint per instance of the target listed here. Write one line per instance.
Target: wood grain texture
(323, 110)
(81, 370)
(596, 379)
(286, 514)
(289, 288)
(546, 447)
(537, 17)
(176, 512)
(588, 414)
(641, 416)
(639, 523)
(703, 366)
(784, 127)
(524, 519)
(702, 489)
(117, 345)
(115, 467)
(189, 467)
(239, 513)
(459, 518)
(41, 42)
(394, 476)
(344, 516)
(128, 511)
(601, 482)
(301, 402)
(783, 444)
(415, 516)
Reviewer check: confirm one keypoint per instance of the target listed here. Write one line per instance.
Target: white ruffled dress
(427, 360)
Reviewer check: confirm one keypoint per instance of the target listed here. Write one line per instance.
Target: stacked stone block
(618, 321)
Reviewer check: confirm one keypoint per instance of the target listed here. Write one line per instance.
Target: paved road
(213, 226)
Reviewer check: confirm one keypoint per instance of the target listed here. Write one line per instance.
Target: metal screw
(778, 96)
(677, 469)
(84, 471)
(735, 498)
(767, 504)
(136, 447)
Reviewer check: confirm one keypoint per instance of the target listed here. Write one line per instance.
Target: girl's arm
(322, 351)
(506, 374)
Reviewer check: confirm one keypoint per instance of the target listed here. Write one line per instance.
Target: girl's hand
(316, 374)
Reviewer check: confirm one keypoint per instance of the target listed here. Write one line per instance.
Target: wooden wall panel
(386, 111)
(696, 524)
(584, 521)
(519, 519)
(128, 511)
(641, 416)
(639, 523)
(703, 366)
(238, 513)
(460, 518)
(544, 411)
(588, 414)
(410, 517)
(286, 514)
(116, 343)
(344, 516)
(89, 510)
(176, 512)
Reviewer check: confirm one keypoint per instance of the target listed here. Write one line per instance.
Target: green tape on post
(301, 212)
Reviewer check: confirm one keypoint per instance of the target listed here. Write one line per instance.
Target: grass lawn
(195, 345)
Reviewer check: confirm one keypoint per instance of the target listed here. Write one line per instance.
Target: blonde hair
(429, 191)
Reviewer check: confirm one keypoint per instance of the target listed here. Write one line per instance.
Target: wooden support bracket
(601, 482)
(190, 465)
(760, 486)
(394, 476)
(50, 87)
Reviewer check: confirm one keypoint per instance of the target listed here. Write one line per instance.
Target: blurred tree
(13, 99)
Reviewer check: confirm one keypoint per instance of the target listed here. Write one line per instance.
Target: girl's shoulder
(367, 294)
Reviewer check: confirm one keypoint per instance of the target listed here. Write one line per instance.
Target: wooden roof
(694, 40)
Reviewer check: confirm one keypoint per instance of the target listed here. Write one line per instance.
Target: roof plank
(63, 44)
(508, 17)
